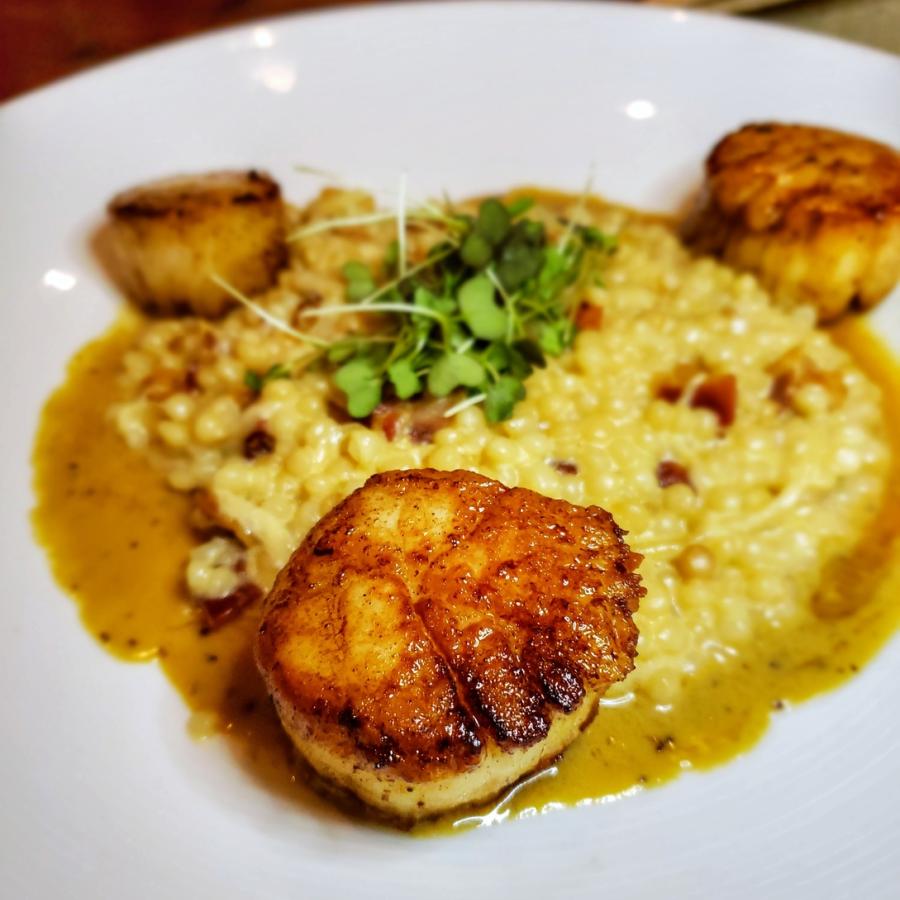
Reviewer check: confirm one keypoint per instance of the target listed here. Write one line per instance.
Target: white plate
(103, 793)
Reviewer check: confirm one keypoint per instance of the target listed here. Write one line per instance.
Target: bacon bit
(191, 384)
(782, 390)
(163, 383)
(389, 423)
(589, 316)
(718, 393)
(308, 300)
(339, 413)
(417, 420)
(258, 443)
(670, 387)
(217, 611)
(794, 371)
(206, 518)
(565, 466)
(669, 472)
(669, 392)
(206, 503)
(422, 431)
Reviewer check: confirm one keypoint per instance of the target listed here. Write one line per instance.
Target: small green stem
(509, 303)
(347, 308)
(474, 400)
(376, 218)
(266, 316)
(390, 285)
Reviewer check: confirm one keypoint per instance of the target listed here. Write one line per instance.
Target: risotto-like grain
(737, 539)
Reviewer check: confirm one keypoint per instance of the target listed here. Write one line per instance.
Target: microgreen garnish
(502, 396)
(425, 213)
(404, 378)
(401, 228)
(266, 316)
(489, 302)
(256, 381)
(361, 380)
(479, 311)
(360, 282)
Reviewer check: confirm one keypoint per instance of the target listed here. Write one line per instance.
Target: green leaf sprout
(489, 303)
(257, 382)
(479, 311)
(360, 282)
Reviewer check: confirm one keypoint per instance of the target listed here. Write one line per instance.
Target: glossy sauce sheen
(118, 538)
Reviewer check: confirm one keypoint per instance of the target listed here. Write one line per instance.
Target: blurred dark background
(42, 40)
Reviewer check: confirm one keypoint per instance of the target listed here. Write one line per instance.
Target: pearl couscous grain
(736, 543)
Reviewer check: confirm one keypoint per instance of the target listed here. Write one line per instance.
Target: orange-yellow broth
(118, 538)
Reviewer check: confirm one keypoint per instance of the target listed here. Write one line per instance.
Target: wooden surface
(42, 40)
(875, 23)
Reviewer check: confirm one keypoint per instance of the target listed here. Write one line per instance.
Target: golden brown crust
(798, 179)
(376, 689)
(531, 609)
(178, 197)
(166, 239)
(431, 615)
(813, 212)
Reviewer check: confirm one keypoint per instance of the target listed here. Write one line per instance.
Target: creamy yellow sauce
(117, 539)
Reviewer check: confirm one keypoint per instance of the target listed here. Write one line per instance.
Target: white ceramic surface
(103, 793)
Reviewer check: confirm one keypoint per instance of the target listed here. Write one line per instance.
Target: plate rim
(211, 36)
(514, 834)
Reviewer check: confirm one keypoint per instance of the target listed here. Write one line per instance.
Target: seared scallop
(814, 213)
(438, 636)
(168, 237)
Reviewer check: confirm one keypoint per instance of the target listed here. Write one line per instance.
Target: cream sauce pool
(118, 537)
